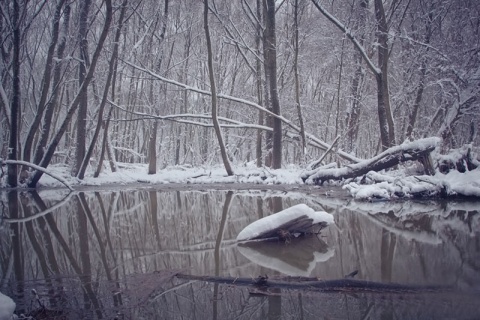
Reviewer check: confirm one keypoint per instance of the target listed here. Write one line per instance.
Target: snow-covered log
(288, 223)
(417, 150)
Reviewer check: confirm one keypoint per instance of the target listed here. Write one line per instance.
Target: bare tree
(216, 125)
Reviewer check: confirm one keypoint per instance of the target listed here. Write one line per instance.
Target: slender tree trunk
(353, 115)
(111, 67)
(297, 81)
(421, 82)
(387, 130)
(52, 104)
(47, 74)
(15, 106)
(152, 143)
(80, 147)
(74, 105)
(258, 78)
(270, 47)
(216, 125)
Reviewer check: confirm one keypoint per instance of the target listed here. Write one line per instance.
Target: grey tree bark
(80, 146)
(387, 127)
(216, 124)
(15, 110)
(270, 48)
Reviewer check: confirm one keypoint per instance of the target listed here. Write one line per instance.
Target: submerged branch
(346, 285)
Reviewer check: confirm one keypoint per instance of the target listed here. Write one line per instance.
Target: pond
(109, 254)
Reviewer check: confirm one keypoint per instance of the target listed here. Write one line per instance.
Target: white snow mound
(7, 307)
(277, 219)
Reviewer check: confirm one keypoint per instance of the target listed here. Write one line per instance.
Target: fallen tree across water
(417, 150)
(346, 285)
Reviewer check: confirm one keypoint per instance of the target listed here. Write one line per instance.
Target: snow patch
(7, 307)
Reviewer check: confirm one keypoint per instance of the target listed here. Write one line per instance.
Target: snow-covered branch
(350, 35)
(34, 166)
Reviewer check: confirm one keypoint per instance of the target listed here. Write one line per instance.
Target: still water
(114, 254)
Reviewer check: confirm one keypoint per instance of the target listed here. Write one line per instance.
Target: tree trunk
(216, 125)
(297, 81)
(111, 68)
(15, 106)
(258, 78)
(80, 146)
(421, 82)
(52, 104)
(74, 105)
(152, 143)
(270, 47)
(387, 130)
(353, 115)
(47, 74)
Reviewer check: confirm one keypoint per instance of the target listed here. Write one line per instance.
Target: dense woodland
(93, 83)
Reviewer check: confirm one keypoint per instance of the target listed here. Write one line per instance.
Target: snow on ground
(379, 185)
(7, 307)
(278, 219)
(134, 173)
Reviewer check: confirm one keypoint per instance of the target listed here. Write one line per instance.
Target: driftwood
(313, 284)
(417, 150)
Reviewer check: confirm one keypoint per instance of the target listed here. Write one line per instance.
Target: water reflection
(106, 254)
(296, 257)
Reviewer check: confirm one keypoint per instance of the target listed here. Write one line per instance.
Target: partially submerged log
(313, 284)
(417, 150)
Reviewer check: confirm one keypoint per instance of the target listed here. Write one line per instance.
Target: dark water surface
(114, 254)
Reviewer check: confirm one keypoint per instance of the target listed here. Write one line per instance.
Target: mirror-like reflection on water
(114, 254)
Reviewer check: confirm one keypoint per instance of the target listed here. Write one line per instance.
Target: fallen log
(314, 284)
(417, 150)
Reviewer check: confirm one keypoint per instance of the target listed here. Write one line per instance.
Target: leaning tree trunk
(111, 68)
(216, 124)
(74, 105)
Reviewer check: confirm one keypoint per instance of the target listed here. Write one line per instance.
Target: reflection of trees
(18, 261)
(129, 237)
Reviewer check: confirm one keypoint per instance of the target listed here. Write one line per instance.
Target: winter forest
(93, 83)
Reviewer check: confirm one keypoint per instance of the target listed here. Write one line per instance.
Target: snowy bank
(297, 219)
(7, 307)
(388, 187)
